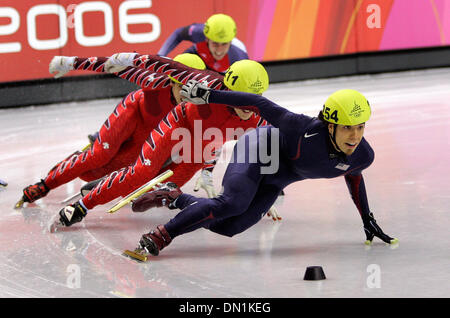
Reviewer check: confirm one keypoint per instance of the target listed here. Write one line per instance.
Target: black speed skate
(33, 193)
(69, 215)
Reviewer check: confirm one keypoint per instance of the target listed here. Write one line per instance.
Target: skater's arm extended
(179, 71)
(145, 79)
(138, 76)
(187, 33)
(162, 65)
(277, 116)
(149, 79)
(355, 181)
(356, 186)
(60, 65)
(357, 189)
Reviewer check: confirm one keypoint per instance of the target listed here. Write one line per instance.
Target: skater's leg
(262, 202)
(129, 149)
(167, 193)
(238, 194)
(240, 183)
(154, 153)
(116, 129)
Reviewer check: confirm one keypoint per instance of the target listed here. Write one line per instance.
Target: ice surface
(408, 189)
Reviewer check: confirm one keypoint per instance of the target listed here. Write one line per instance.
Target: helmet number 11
(233, 77)
(333, 115)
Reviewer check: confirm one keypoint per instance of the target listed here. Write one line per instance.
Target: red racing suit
(195, 122)
(125, 130)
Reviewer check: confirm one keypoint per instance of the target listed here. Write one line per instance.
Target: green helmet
(247, 76)
(346, 107)
(191, 60)
(220, 28)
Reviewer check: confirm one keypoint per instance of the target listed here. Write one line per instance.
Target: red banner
(33, 31)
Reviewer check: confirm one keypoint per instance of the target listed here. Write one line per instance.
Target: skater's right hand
(205, 181)
(119, 61)
(61, 65)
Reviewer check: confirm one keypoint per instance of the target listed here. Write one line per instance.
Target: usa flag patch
(342, 166)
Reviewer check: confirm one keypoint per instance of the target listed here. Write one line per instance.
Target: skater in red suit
(200, 129)
(121, 137)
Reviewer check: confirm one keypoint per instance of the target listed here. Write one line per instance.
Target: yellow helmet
(247, 76)
(220, 28)
(191, 60)
(346, 107)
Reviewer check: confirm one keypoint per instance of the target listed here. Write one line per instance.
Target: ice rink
(408, 188)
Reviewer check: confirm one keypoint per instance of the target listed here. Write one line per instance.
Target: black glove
(195, 92)
(372, 229)
(71, 214)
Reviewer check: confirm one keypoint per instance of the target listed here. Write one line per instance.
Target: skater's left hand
(205, 181)
(273, 213)
(372, 229)
(195, 92)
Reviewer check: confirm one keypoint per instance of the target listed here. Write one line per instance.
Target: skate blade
(19, 204)
(55, 225)
(138, 254)
(72, 197)
(86, 147)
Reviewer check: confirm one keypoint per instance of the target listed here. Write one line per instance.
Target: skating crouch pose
(214, 42)
(329, 146)
(160, 145)
(121, 137)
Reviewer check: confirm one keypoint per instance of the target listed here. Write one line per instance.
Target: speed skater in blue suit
(301, 147)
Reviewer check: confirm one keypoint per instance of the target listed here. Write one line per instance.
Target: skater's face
(243, 113)
(347, 137)
(218, 50)
(176, 89)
